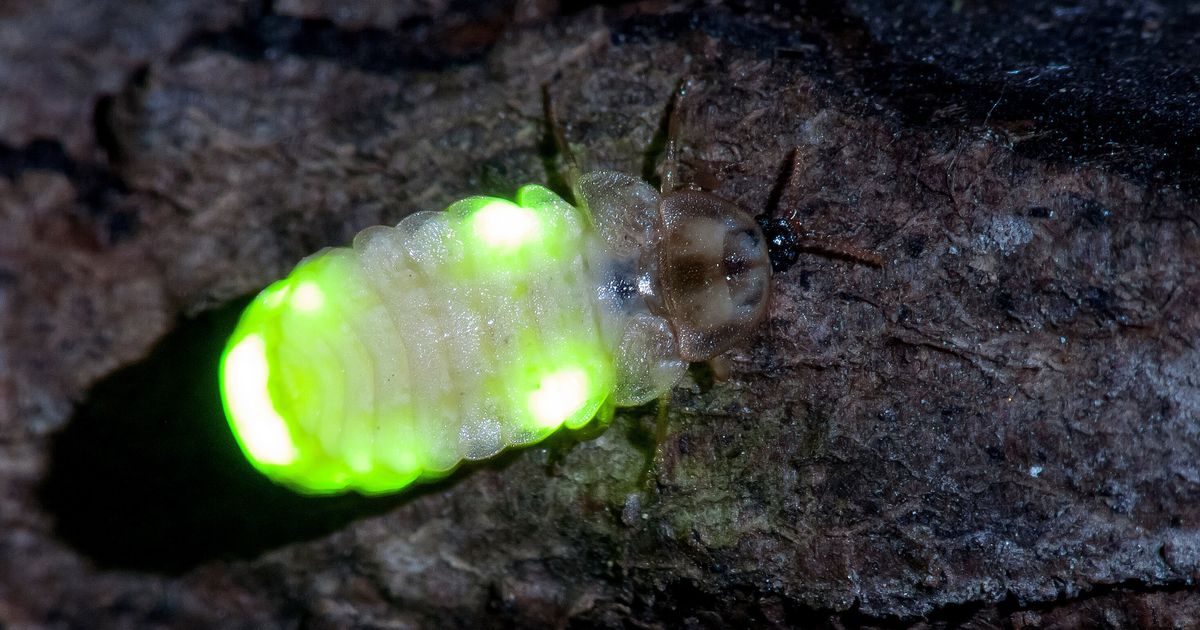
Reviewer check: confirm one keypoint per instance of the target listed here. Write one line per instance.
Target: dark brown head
(714, 272)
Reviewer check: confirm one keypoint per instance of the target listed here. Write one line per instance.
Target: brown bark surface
(998, 427)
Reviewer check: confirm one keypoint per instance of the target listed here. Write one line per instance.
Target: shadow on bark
(148, 475)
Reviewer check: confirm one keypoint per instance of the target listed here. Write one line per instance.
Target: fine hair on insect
(491, 325)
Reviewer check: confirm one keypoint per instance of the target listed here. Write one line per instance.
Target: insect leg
(654, 454)
(670, 176)
(660, 424)
(560, 141)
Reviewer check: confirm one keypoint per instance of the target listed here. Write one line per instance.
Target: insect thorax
(697, 264)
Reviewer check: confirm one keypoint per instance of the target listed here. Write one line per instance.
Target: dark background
(999, 428)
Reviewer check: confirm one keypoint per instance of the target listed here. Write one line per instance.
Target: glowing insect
(458, 334)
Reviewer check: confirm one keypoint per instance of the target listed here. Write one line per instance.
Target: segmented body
(450, 337)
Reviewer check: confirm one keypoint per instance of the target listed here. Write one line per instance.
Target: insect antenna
(786, 238)
(782, 180)
(817, 244)
(560, 141)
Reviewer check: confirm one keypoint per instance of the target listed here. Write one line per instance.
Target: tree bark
(1000, 426)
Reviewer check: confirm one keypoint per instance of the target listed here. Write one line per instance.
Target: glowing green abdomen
(450, 337)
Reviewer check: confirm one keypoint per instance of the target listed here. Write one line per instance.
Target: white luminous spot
(308, 297)
(262, 430)
(505, 224)
(1035, 471)
(558, 397)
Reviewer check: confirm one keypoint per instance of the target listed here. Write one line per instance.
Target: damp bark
(997, 427)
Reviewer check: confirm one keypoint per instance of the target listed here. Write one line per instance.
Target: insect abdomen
(452, 336)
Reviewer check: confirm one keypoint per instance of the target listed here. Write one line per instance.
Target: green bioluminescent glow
(308, 297)
(558, 397)
(505, 224)
(263, 433)
(370, 368)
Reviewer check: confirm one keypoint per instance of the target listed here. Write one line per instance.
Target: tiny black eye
(782, 242)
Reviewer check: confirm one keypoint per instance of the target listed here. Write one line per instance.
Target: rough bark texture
(1000, 427)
